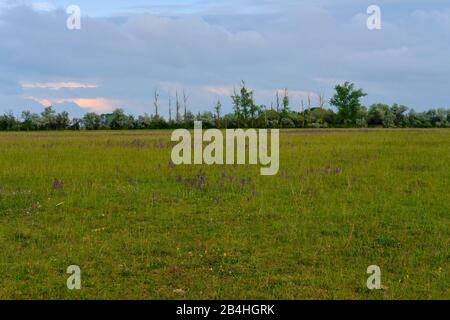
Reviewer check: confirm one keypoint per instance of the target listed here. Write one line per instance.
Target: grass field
(142, 229)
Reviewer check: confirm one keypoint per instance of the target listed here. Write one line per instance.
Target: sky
(127, 49)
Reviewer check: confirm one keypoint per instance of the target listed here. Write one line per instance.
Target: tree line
(246, 113)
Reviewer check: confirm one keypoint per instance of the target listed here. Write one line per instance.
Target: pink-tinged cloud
(57, 85)
(98, 105)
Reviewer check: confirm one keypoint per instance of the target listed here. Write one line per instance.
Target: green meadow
(141, 228)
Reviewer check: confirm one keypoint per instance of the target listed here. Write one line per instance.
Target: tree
(30, 120)
(347, 100)
(177, 107)
(377, 114)
(285, 110)
(400, 119)
(277, 101)
(207, 119)
(75, 124)
(156, 102)
(244, 106)
(237, 106)
(321, 97)
(8, 122)
(48, 119)
(217, 109)
(170, 108)
(62, 121)
(119, 120)
(185, 104)
(91, 121)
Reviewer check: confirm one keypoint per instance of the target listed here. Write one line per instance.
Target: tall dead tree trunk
(185, 104)
(177, 107)
(170, 108)
(156, 103)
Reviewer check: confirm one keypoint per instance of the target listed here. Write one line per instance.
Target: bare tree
(265, 116)
(170, 107)
(156, 102)
(285, 99)
(303, 114)
(217, 108)
(177, 105)
(322, 106)
(185, 104)
(277, 95)
(309, 107)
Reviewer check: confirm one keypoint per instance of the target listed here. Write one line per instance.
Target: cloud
(99, 105)
(224, 91)
(43, 6)
(308, 49)
(438, 17)
(58, 85)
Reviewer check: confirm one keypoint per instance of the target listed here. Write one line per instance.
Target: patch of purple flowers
(58, 184)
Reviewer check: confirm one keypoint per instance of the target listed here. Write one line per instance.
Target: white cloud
(308, 49)
(43, 6)
(57, 85)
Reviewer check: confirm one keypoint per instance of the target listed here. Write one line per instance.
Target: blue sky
(126, 49)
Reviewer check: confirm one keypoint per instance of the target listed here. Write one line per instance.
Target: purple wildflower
(253, 188)
(337, 170)
(58, 184)
(232, 179)
(242, 183)
(201, 182)
(180, 179)
(171, 164)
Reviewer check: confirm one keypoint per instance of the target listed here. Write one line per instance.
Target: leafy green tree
(75, 124)
(30, 121)
(347, 100)
(438, 117)
(207, 119)
(400, 118)
(92, 121)
(119, 120)
(389, 119)
(62, 121)
(144, 121)
(244, 106)
(377, 114)
(158, 122)
(48, 119)
(8, 122)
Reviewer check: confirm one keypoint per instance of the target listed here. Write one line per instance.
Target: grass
(121, 214)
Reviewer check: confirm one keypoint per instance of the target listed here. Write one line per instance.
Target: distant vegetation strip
(246, 113)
